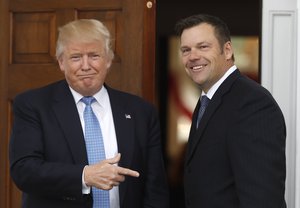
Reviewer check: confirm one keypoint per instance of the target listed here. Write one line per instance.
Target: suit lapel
(67, 115)
(124, 125)
(195, 136)
(194, 119)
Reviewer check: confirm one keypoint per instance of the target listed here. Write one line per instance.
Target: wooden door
(28, 32)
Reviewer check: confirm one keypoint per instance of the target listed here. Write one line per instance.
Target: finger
(128, 172)
(106, 187)
(115, 183)
(119, 178)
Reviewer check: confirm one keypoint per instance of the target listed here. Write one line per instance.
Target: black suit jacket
(47, 149)
(236, 157)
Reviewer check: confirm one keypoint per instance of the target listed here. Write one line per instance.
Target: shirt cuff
(85, 189)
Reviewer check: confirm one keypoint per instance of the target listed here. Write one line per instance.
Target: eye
(75, 58)
(94, 56)
(203, 47)
(185, 51)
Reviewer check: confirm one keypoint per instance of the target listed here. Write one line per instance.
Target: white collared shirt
(103, 112)
(215, 87)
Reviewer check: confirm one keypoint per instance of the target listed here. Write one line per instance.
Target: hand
(105, 174)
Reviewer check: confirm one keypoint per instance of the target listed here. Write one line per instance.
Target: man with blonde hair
(78, 142)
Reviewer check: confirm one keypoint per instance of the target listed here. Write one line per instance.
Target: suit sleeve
(156, 189)
(30, 169)
(257, 152)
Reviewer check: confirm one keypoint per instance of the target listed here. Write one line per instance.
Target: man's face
(205, 61)
(85, 66)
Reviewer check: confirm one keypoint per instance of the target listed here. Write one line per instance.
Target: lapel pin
(127, 116)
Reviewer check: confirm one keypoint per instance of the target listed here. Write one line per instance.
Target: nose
(85, 63)
(194, 54)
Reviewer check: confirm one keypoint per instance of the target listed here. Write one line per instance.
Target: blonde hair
(84, 30)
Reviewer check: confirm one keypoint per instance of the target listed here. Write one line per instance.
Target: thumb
(115, 159)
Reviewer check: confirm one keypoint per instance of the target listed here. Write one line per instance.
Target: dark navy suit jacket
(47, 149)
(236, 157)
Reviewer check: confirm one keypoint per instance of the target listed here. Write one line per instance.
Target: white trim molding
(279, 75)
(297, 168)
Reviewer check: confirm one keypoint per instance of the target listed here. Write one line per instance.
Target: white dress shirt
(102, 110)
(215, 87)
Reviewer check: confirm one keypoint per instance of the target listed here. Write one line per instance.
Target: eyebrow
(197, 44)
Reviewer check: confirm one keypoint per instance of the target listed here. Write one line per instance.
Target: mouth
(197, 67)
(85, 76)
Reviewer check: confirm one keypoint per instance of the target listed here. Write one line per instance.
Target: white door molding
(279, 75)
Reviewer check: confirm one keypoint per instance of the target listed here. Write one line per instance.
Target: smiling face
(205, 61)
(85, 66)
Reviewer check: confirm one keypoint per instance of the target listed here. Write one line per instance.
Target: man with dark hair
(236, 148)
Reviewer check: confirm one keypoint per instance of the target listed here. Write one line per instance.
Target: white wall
(280, 74)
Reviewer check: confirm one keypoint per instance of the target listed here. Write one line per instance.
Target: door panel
(33, 38)
(27, 55)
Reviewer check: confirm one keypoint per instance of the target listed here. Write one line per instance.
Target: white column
(297, 124)
(279, 75)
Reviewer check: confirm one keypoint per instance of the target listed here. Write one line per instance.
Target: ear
(60, 62)
(108, 64)
(228, 50)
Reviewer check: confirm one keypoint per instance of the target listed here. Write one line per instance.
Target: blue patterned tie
(204, 103)
(95, 149)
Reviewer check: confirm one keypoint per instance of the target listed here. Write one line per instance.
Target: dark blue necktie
(204, 103)
(95, 148)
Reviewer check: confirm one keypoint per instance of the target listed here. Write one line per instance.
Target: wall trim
(279, 76)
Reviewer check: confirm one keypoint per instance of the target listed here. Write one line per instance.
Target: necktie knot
(88, 100)
(204, 101)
